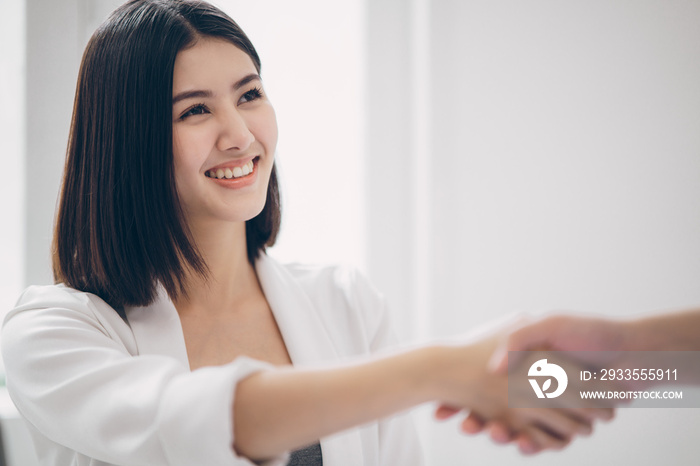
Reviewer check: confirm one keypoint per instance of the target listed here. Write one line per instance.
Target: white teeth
(235, 172)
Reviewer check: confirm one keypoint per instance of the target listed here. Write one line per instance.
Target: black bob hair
(120, 230)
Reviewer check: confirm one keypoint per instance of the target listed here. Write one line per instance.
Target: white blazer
(96, 390)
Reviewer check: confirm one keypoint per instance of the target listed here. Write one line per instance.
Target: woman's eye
(252, 94)
(198, 109)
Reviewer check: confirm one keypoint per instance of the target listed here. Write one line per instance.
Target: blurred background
(473, 158)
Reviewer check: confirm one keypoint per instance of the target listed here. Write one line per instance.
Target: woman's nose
(234, 132)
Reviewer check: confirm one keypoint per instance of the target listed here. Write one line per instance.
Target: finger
(445, 412)
(530, 334)
(472, 424)
(594, 414)
(604, 414)
(500, 432)
(561, 423)
(585, 419)
(535, 439)
(527, 444)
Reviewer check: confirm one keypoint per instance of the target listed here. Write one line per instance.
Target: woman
(170, 334)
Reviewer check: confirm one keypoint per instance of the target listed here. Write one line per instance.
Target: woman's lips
(234, 176)
(232, 171)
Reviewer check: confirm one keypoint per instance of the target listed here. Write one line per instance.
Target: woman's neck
(231, 278)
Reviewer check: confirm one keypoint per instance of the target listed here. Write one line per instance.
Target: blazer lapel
(308, 343)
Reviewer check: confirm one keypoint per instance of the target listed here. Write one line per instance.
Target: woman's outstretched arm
(282, 409)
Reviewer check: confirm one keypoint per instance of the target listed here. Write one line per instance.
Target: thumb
(529, 334)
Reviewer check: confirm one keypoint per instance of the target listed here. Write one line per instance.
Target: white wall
(53, 54)
(12, 127)
(15, 443)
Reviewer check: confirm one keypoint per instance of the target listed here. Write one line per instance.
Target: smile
(231, 172)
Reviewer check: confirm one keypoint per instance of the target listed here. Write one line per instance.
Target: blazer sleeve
(77, 383)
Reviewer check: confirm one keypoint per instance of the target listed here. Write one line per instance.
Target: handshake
(535, 374)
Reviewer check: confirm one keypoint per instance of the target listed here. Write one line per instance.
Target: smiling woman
(115, 208)
(170, 337)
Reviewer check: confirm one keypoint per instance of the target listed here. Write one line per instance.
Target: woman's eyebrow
(206, 94)
(245, 80)
(191, 95)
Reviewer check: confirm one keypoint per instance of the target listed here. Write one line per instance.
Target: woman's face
(224, 133)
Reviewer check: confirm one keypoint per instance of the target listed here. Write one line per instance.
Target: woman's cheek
(265, 124)
(194, 139)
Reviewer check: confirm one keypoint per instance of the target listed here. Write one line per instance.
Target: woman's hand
(471, 384)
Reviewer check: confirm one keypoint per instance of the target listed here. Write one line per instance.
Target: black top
(309, 456)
